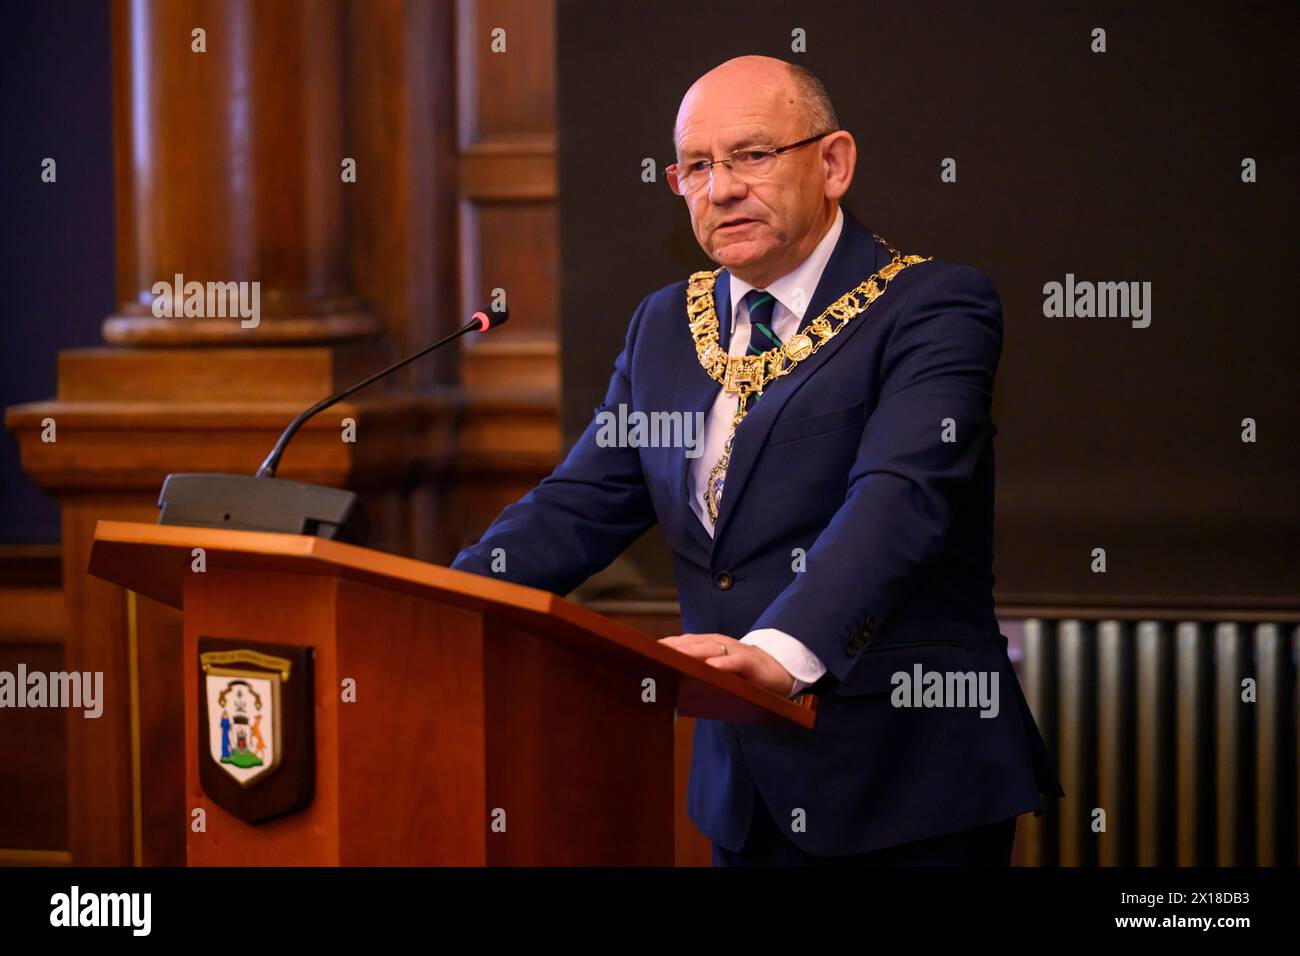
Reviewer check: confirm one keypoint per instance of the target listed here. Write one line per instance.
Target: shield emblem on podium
(257, 755)
(243, 719)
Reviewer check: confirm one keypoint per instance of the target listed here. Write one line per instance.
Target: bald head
(761, 211)
(793, 89)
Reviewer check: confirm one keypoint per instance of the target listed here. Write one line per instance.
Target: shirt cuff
(802, 664)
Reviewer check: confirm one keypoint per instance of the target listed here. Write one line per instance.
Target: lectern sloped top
(153, 560)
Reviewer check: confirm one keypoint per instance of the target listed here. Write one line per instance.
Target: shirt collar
(795, 288)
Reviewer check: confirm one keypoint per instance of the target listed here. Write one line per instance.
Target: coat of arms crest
(256, 728)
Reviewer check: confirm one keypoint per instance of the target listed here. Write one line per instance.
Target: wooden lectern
(452, 719)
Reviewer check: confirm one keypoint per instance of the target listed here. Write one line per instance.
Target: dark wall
(1120, 166)
(56, 244)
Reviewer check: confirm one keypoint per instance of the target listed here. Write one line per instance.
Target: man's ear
(839, 159)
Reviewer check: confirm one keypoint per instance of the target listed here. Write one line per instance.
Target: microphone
(262, 502)
(481, 322)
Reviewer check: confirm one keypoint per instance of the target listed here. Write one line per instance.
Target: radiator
(1147, 722)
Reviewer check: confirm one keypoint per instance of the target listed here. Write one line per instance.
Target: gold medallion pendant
(798, 348)
(746, 375)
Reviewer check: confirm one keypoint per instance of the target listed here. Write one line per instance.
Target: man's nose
(723, 184)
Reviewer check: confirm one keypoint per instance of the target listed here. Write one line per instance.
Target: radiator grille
(1147, 722)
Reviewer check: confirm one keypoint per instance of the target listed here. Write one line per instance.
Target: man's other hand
(728, 654)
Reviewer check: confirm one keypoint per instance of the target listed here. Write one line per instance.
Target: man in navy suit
(839, 541)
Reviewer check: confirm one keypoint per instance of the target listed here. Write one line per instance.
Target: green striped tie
(761, 336)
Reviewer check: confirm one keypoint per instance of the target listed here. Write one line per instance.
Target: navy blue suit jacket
(844, 458)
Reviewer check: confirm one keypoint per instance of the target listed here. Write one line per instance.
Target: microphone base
(247, 503)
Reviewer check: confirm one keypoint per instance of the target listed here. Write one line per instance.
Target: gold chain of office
(746, 374)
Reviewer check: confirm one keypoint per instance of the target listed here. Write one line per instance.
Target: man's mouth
(735, 223)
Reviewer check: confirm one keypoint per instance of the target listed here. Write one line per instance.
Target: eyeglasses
(747, 163)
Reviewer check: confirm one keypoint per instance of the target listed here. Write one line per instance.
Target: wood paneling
(441, 734)
(33, 773)
(576, 757)
(512, 246)
(101, 780)
(507, 95)
(662, 619)
(509, 171)
(509, 238)
(246, 185)
(271, 610)
(290, 374)
(31, 614)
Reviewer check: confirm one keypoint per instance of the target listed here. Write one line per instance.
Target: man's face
(758, 228)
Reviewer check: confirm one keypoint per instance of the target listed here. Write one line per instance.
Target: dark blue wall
(56, 242)
(1123, 166)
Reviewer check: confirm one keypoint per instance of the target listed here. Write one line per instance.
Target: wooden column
(228, 120)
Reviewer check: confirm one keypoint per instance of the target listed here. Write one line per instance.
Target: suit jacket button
(871, 624)
(723, 580)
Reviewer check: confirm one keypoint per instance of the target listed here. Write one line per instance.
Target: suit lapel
(856, 256)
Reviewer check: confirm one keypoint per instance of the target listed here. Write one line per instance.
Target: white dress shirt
(792, 293)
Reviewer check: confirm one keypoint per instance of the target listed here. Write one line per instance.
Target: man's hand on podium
(728, 654)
